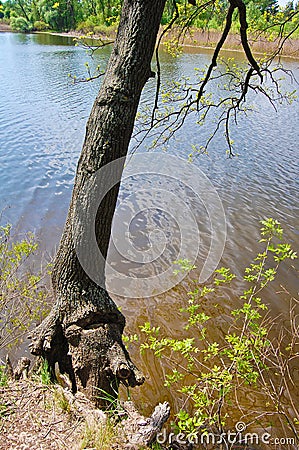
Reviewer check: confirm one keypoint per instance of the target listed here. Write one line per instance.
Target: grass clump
(99, 437)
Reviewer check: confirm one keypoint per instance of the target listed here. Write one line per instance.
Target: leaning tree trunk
(83, 332)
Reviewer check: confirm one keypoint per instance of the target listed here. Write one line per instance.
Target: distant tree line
(97, 16)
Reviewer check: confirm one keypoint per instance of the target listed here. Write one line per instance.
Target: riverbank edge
(40, 415)
(197, 39)
(4, 27)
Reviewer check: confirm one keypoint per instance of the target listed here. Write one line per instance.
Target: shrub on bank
(24, 300)
(20, 24)
(39, 25)
(88, 25)
(212, 378)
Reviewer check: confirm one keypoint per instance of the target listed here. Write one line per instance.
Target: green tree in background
(64, 15)
(1, 10)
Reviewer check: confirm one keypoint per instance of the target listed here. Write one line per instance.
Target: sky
(283, 2)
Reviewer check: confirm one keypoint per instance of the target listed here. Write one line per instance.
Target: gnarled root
(43, 335)
(93, 357)
(48, 341)
(100, 361)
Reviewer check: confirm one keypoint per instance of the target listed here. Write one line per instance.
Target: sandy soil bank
(4, 27)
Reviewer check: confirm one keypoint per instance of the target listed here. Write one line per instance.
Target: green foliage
(99, 437)
(43, 372)
(86, 16)
(23, 299)
(106, 435)
(111, 400)
(95, 25)
(39, 25)
(62, 15)
(261, 15)
(104, 30)
(20, 24)
(3, 376)
(184, 266)
(1, 11)
(88, 25)
(213, 375)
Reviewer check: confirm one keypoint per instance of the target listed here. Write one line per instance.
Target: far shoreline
(4, 27)
(196, 40)
(207, 40)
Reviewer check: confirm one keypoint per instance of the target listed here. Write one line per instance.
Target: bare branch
(216, 52)
(243, 32)
(88, 79)
(91, 49)
(158, 85)
(188, 99)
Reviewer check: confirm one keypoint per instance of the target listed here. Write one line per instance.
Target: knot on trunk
(123, 372)
(122, 367)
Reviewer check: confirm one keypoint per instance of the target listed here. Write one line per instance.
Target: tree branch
(158, 85)
(213, 64)
(243, 32)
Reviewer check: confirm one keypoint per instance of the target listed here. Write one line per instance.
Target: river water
(42, 123)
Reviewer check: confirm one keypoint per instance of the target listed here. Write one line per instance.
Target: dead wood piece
(142, 431)
(22, 368)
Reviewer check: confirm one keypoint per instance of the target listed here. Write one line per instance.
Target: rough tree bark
(83, 332)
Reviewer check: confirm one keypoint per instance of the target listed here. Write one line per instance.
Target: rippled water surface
(42, 123)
